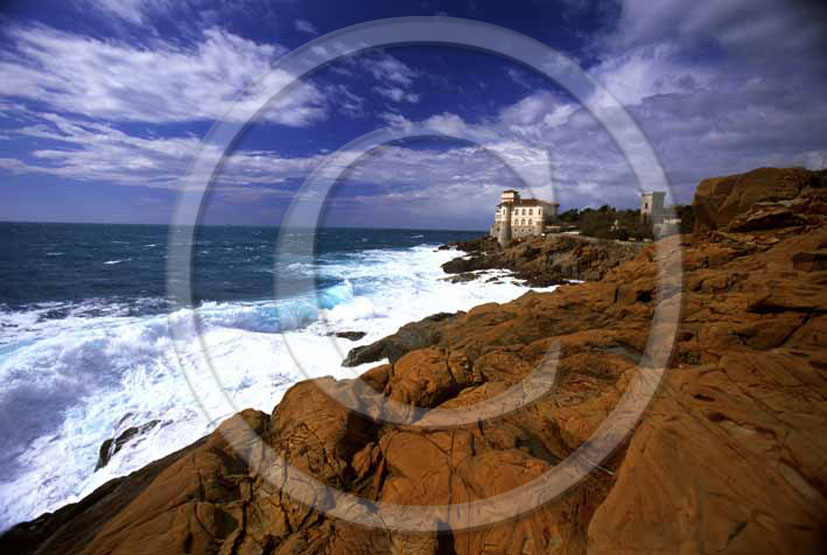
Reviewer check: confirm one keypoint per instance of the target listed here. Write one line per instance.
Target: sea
(86, 350)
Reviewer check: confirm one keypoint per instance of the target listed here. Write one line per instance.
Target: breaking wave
(75, 374)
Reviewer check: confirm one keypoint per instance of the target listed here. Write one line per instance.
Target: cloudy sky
(104, 103)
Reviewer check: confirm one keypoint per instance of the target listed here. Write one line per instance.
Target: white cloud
(397, 94)
(651, 70)
(91, 151)
(133, 11)
(304, 26)
(156, 84)
(681, 69)
(392, 118)
(388, 69)
(347, 101)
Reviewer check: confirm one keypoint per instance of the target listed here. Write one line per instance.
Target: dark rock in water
(352, 335)
(72, 528)
(409, 337)
(113, 445)
(463, 277)
(54, 314)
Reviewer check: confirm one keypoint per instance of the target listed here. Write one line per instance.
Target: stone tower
(651, 207)
(504, 238)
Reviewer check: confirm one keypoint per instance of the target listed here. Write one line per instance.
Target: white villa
(516, 217)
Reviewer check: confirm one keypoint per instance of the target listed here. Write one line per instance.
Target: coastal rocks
(719, 200)
(814, 261)
(350, 335)
(543, 261)
(728, 458)
(112, 445)
(765, 216)
(463, 277)
(747, 483)
(407, 338)
(72, 529)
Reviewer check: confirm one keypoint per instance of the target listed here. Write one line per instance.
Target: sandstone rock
(415, 335)
(718, 200)
(813, 261)
(543, 261)
(729, 458)
(764, 216)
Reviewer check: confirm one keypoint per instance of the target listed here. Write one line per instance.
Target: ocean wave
(103, 365)
(113, 262)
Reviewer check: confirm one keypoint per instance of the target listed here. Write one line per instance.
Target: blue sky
(103, 104)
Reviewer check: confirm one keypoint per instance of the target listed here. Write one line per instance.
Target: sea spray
(74, 373)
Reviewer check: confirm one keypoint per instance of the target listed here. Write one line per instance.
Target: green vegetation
(607, 222)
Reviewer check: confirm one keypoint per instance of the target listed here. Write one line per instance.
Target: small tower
(510, 196)
(504, 238)
(651, 207)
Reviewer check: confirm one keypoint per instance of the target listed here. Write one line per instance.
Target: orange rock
(729, 458)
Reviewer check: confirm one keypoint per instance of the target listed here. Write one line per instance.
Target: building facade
(516, 217)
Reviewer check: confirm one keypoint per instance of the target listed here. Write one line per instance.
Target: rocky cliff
(729, 457)
(543, 261)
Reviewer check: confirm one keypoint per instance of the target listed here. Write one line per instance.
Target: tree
(569, 216)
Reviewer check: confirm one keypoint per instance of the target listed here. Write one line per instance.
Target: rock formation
(114, 444)
(761, 199)
(729, 458)
(543, 261)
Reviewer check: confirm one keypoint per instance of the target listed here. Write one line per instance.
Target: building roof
(533, 202)
(530, 202)
(511, 191)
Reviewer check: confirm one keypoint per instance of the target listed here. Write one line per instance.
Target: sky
(105, 103)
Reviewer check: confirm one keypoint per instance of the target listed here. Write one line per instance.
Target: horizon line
(32, 222)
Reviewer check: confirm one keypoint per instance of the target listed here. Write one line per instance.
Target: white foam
(105, 373)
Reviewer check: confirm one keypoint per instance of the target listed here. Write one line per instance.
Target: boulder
(415, 335)
(764, 216)
(720, 199)
(351, 335)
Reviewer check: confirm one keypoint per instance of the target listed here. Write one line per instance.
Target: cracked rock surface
(729, 457)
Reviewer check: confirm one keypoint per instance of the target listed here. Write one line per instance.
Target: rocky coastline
(542, 261)
(729, 457)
